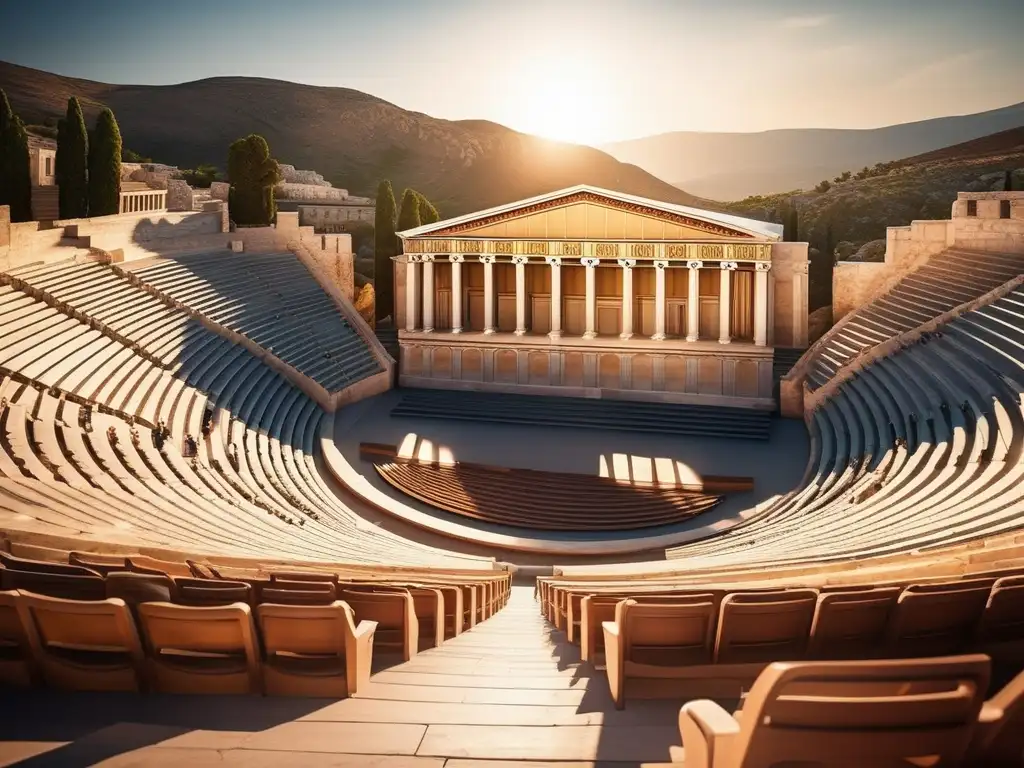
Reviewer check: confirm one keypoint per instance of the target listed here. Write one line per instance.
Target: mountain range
(350, 137)
(731, 166)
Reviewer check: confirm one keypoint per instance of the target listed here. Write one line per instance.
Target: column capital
(426, 257)
(456, 258)
(627, 263)
(762, 266)
(800, 268)
(731, 266)
(589, 261)
(520, 260)
(412, 258)
(660, 264)
(486, 259)
(695, 265)
(554, 261)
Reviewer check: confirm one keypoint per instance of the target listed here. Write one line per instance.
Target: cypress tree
(409, 214)
(428, 213)
(72, 163)
(385, 246)
(252, 174)
(15, 178)
(105, 166)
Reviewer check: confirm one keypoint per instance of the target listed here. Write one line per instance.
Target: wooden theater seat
(83, 644)
(1001, 630)
(936, 619)
(999, 738)
(192, 649)
(314, 650)
(78, 584)
(761, 627)
(135, 588)
(298, 593)
(851, 623)
(862, 713)
(394, 612)
(16, 666)
(659, 640)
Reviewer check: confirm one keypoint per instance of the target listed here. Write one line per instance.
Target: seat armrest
(614, 655)
(708, 733)
(359, 658)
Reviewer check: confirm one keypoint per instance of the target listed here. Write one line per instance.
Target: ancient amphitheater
(231, 537)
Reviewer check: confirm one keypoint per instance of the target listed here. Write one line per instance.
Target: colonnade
(419, 284)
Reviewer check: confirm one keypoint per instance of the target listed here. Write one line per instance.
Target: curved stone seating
(273, 300)
(947, 280)
(554, 501)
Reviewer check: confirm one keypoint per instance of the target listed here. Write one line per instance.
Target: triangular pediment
(584, 213)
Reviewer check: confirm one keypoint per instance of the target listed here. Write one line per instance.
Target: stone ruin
(291, 175)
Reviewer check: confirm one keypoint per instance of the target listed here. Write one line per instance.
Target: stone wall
(787, 320)
(291, 175)
(328, 256)
(292, 191)
(219, 190)
(179, 195)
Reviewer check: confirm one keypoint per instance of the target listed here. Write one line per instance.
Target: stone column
(659, 300)
(725, 301)
(800, 305)
(693, 301)
(488, 262)
(556, 296)
(412, 292)
(627, 297)
(520, 263)
(456, 260)
(590, 264)
(428, 293)
(761, 303)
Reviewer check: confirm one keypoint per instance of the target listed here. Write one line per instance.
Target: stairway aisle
(509, 690)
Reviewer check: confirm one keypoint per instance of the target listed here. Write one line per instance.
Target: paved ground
(511, 689)
(776, 464)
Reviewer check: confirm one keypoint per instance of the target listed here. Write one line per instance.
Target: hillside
(854, 214)
(730, 166)
(352, 138)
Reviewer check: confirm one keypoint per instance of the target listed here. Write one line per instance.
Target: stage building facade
(591, 293)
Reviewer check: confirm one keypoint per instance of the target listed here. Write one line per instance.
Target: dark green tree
(73, 162)
(790, 222)
(15, 179)
(1008, 182)
(385, 246)
(252, 174)
(428, 213)
(409, 213)
(105, 166)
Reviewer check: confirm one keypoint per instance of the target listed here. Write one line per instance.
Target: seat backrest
(387, 608)
(304, 576)
(80, 625)
(935, 620)
(1003, 619)
(146, 564)
(300, 629)
(135, 588)
(169, 628)
(756, 627)
(200, 592)
(102, 564)
(318, 594)
(852, 624)
(13, 639)
(679, 633)
(999, 739)
(870, 712)
(88, 586)
(44, 566)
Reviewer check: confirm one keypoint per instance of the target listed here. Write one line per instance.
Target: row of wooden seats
(544, 500)
(724, 638)
(414, 612)
(862, 713)
(273, 300)
(109, 645)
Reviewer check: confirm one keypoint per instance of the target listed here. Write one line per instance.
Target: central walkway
(511, 689)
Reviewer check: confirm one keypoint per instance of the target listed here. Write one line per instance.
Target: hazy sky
(580, 70)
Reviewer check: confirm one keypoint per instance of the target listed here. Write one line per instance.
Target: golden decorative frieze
(536, 248)
(743, 252)
(606, 250)
(643, 250)
(572, 249)
(503, 247)
(675, 251)
(468, 246)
